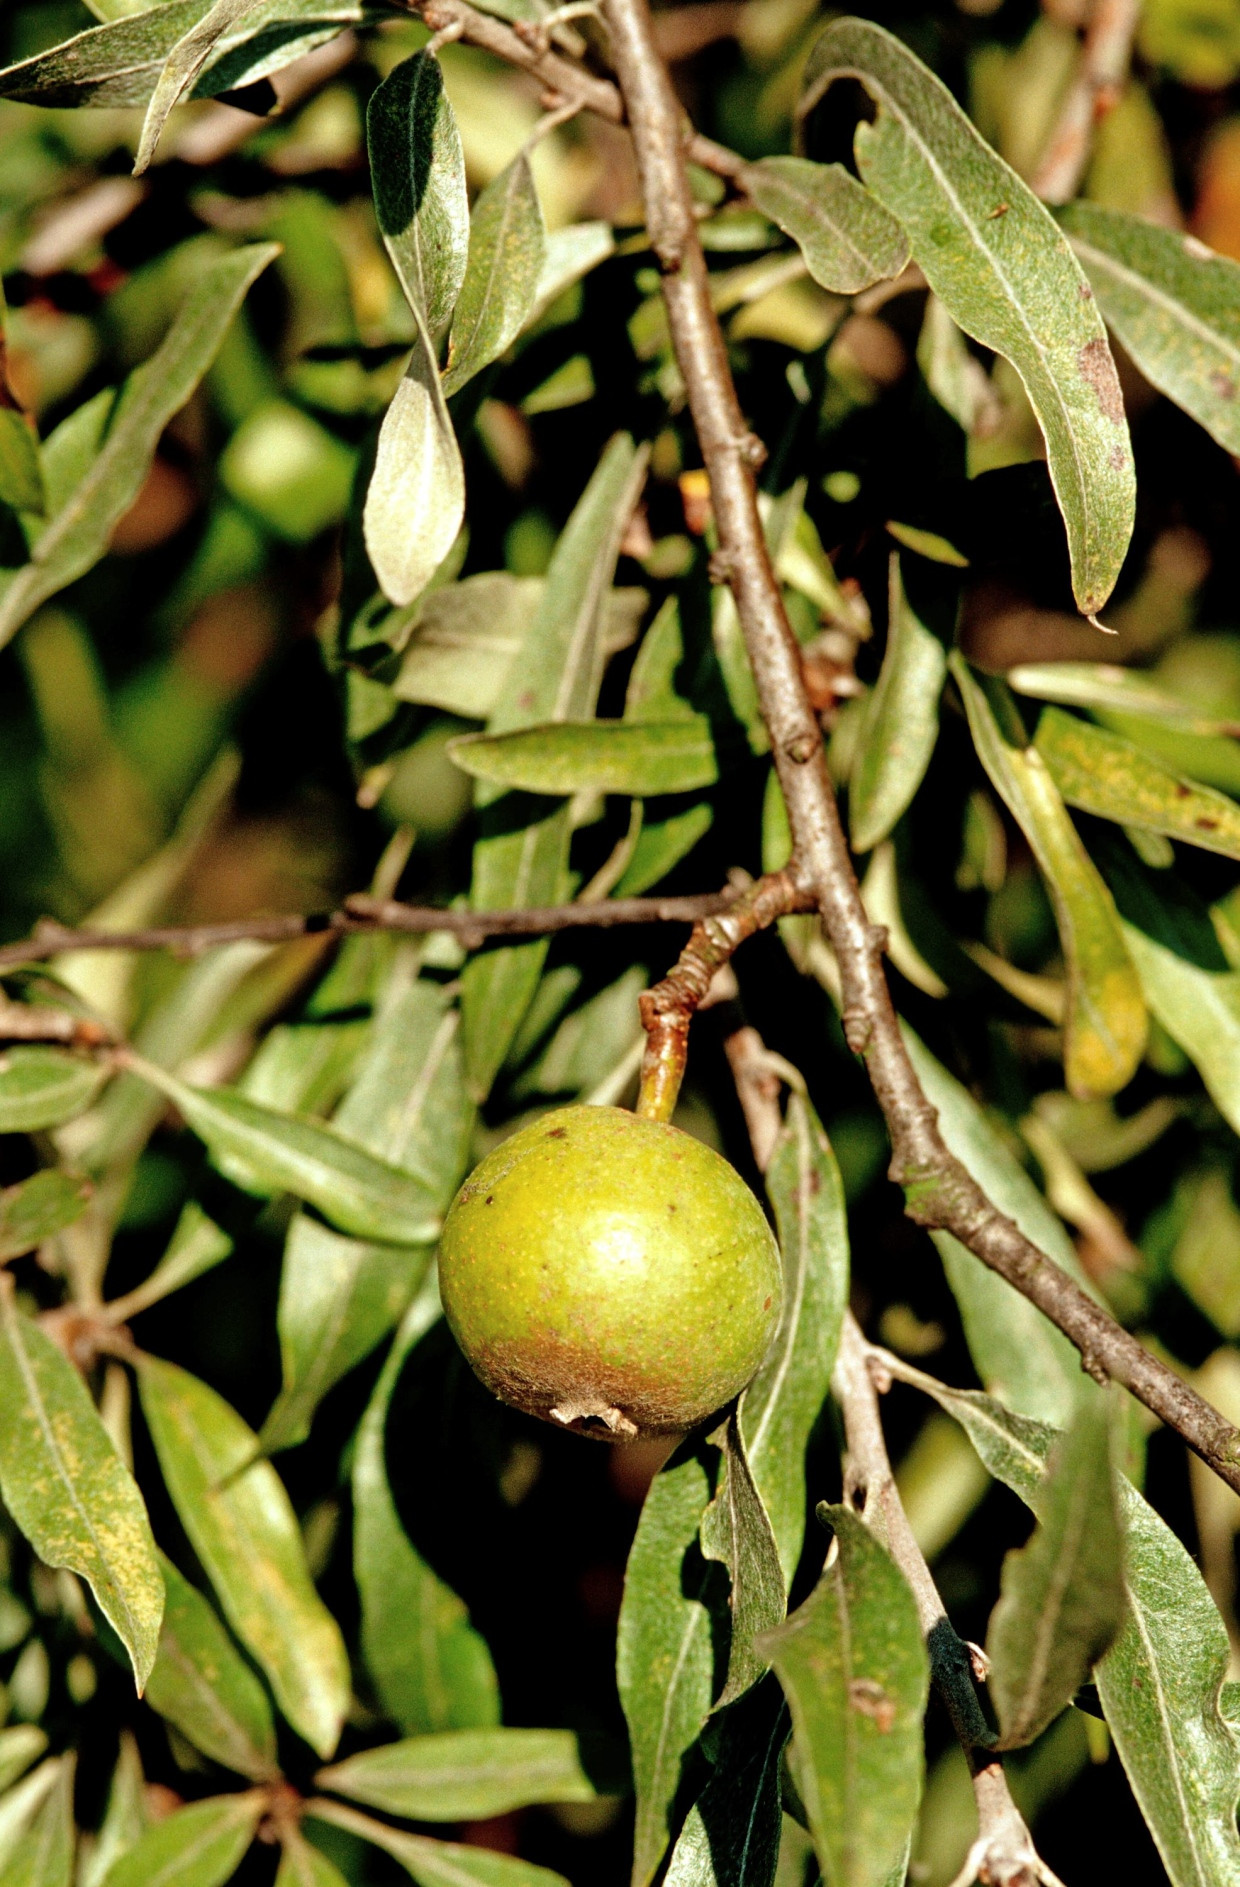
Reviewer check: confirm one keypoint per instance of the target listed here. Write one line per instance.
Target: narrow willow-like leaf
(118, 63)
(276, 1152)
(125, 1819)
(417, 172)
(21, 474)
(854, 1667)
(45, 1203)
(242, 1526)
(201, 1683)
(41, 1087)
(464, 1775)
(664, 1657)
(507, 248)
(651, 694)
(20, 1746)
(302, 1865)
(1123, 690)
(731, 1834)
(197, 1245)
(76, 537)
(783, 1401)
(1174, 304)
(522, 853)
(20, 1805)
(848, 239)
(1018, 1351)
(1105, 1025)
(338, 1299)
(431, 1669)
(68, 1489)
(637, 757)
(181, 68)
(1161, 1682)
(568, 255)
(1062, 1601)
(339, 1296)
(1005, 273)
(1107, 775)
(438, 1863)
(661, 844)
(44, 1855)
(901, 723)
(416, 497)
(736, 1530)
(198, 1846)
(1200, 1009)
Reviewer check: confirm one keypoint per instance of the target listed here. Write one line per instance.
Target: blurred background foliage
(181, 740)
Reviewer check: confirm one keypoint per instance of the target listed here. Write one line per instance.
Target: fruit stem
(669, 1008)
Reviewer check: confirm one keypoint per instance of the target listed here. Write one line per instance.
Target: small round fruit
(610, 1273)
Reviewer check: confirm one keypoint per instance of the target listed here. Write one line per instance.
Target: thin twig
(566, 81)
(1095, 89)
(363, 913)
(939, 1191)
(1003, 1854)
(669, 1008)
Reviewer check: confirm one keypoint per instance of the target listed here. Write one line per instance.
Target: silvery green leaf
(274, 1152)
(664, 1658)
(39, 1206)
(303, 1865)
(437, 1863)
(1200, 1009)
(736, 1530)
(1005, 273)
(634, 757)
(1106, 775)
(21, 473)
(44, 1855)
(731, 1835)
(848, 239)
(197, 1245)
(125, 1818)
(1062, 1601)
(20, 1746)
(198, 1846)
(1122, 690)
(41, 1087)
(416, 498)
(521, 855)
(418, 177)
(507, 246)
(1105, 1026)
(1161, 1683)
(901, 723)
(118, 63)
(568, 255)
(661, 844)
(854, 1667)
(1173, 303)
(431, 1669)
(463, 1775)
(76, 535)
(68, 1489)
(182, 66)
(339, 1296)
(202, 1684)
(240, 1523)
(783, 1401)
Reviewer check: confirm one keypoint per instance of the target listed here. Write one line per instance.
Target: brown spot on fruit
(1098, 368)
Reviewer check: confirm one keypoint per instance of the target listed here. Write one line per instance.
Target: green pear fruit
(610, 1274)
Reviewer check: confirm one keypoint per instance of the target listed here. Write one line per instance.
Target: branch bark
(528, 46)
(939, 1191)
(361, 913)
(1003, 1854)
(1096, 87)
